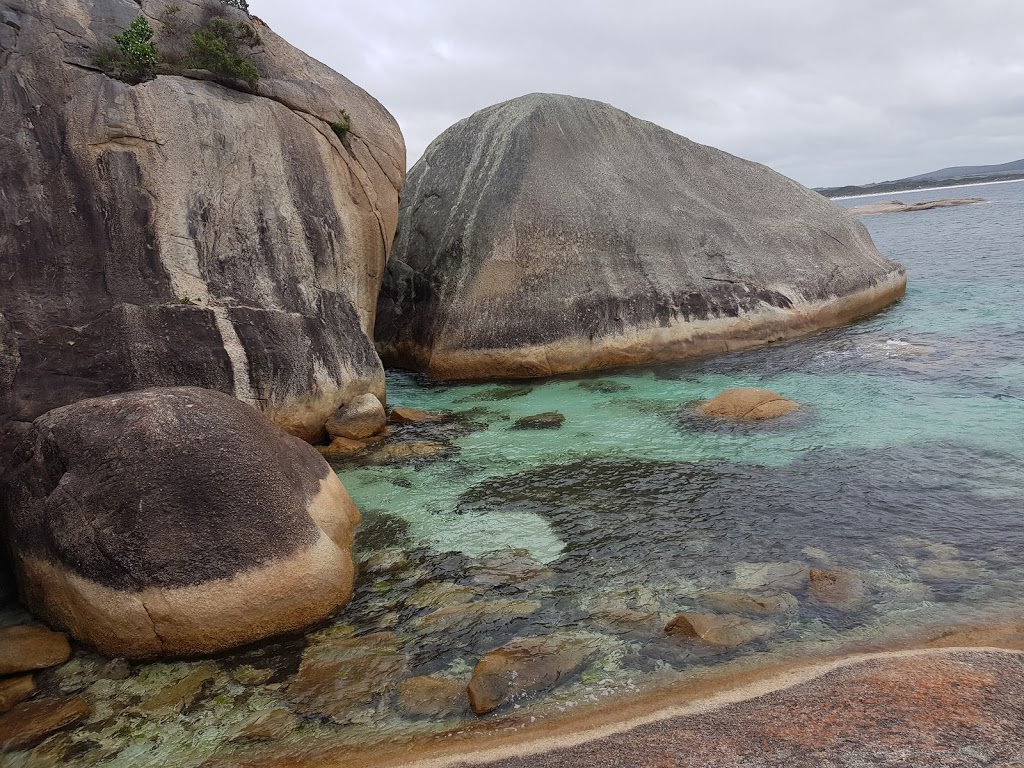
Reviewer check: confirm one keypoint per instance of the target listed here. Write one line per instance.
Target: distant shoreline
(928, 189)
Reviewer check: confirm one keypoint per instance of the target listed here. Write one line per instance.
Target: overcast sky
(826, 91)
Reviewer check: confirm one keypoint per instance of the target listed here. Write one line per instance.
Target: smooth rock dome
(180, 232)
(174, 522)
(551, 234)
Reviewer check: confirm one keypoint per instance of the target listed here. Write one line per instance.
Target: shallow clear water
(904, 467)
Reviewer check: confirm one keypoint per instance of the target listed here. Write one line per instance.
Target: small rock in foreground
(25, 649)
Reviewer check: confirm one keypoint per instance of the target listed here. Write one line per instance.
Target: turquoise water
(942, 367)
(904, 466)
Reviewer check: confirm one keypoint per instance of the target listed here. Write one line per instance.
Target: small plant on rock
(242, 5)
(134, 59)
(219, 47)
(343, 124)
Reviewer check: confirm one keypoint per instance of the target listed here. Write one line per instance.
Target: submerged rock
(442, 594)
(838, 588)
(508, 566)
(432, 696)
(26, 649)
(549, 420)
(463, 616)
(785, 576)
(337, 679)
(527, 666)
(747, 403)
(361, 418)
(29, 723)
(722, 630)
(551, 234)
(411, 416)
(736, 601)
(175, 521)
(393, 453)
(180, 232)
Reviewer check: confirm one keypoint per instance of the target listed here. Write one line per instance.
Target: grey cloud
(825, 92)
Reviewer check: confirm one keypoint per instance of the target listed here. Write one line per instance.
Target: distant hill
(960, 171)
(955, 176)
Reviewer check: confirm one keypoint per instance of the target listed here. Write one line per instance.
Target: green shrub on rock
(242, 5)
(219, 48)
(343, 125)
(134, 60)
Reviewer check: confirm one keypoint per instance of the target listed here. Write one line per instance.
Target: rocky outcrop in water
(897, 206)
(181, 232)
(747, 403)
(551, 234)
(174, 521)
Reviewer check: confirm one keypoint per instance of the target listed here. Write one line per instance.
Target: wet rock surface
(28, 648)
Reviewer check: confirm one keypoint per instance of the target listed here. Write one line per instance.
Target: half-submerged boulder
(551, 234)
(748, 403)
(174, 521)
(181, 232)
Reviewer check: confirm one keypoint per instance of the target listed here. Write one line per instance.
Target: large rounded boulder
(551, 234)
(174, 521)
(189, 229)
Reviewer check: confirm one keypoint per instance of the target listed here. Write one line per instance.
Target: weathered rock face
(174, 521)
(552, 234)
(179, 232)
